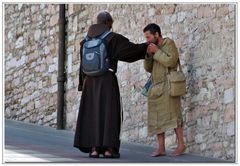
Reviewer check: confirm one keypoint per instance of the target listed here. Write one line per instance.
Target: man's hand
(152, 49)
(149, 54)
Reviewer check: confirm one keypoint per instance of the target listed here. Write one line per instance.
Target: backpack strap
(87, 38)
(109, 37)
(105, 34)
(82, 42)
(102, 36)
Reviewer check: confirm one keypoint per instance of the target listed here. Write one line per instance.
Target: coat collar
(164, 42)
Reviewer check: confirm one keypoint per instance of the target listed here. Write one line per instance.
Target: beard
(155, 40)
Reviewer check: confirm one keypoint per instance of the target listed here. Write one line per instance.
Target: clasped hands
(152, 49)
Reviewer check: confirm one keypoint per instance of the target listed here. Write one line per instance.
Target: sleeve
(167, 57)
(129, 52)
(81, 74)
(148, 63)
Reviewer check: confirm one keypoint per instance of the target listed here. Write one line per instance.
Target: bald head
(104, 18)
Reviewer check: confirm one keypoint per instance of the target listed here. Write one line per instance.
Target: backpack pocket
(91, 60)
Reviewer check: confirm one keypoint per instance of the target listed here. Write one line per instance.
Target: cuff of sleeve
(147, 57)
(156, 56)
(146, 45)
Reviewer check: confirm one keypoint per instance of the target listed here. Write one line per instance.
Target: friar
(99, 118)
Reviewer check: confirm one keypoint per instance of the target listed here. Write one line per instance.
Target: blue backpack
(95, 61)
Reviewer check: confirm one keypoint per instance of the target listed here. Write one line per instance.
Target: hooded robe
(99, 116)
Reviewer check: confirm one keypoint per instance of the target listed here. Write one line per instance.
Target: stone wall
(204, 34)
(31, 51)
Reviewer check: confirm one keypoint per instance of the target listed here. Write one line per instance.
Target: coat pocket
(157, 89)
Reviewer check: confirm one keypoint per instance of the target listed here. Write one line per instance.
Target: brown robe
(99, 117)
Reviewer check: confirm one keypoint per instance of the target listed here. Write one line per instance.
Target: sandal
(94, 155)
(113, 154)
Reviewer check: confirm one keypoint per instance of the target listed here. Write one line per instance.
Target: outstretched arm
(127, 51)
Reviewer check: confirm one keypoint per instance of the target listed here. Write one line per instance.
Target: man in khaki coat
(164, 111)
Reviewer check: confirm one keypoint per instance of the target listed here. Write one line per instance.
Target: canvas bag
(177, 81)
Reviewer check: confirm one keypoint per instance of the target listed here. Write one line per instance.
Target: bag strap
(82, 42)
(109, 37)
(102, 36)
(178, 64)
